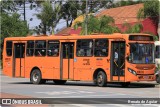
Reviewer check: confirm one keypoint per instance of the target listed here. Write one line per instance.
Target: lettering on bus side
(86, 61)
(7, 59)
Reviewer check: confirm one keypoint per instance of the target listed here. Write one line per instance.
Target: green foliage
(151, 9)
(133, 29)
(155, 38)
(140, 14)
(104, 24)
(8, 6)
(69, 11)
(49, 17)
(158, 66)
(11, 25)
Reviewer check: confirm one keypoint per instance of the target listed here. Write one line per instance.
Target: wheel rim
(100, 79)
(35, 77)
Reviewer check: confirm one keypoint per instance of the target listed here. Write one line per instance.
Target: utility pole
(24, 10)
(86, 17)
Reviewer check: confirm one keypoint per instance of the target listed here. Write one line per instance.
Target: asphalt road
(22, 86)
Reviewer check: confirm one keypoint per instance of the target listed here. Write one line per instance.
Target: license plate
(146, 77)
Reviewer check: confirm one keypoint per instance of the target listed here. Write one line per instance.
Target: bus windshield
(158, 51)
(141, 53)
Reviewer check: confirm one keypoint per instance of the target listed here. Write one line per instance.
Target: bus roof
(72, 37)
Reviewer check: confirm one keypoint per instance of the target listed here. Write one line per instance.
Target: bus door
(117, 60)
(18, 59)
(66, 63)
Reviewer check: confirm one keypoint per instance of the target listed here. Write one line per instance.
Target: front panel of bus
(140, 64)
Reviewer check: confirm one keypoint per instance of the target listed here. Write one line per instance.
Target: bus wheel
(157, 79)
(125, 84)
(59, 82)
(101, 79)
(36, 77)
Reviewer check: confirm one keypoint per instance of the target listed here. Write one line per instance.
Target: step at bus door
(19, 54)
(67, 56)
(117, 61)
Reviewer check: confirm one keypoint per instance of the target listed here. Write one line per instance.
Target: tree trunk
(44, 29)
(67, 22)
(71, 23)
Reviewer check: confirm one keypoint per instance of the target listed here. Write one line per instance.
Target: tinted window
(140, 38)
(84, 47)
(68, 50)
(157, 51)
(40, 48)
(101, 47)
(53, 48)
(30, 48)
(9, 48)
(19, 50)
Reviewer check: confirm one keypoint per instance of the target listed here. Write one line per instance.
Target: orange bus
(121, 58)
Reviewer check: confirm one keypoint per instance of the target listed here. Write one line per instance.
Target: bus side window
(101, 47)
(53, 48)
(84, 47)
(9, 48)
(40, 48)
(30, 48)
(157, 51)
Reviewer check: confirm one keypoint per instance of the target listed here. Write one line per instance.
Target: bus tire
(59, 82)
(36, 77)
(101, 79)
(157, 79)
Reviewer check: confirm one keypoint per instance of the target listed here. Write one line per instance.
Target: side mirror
(130, 57)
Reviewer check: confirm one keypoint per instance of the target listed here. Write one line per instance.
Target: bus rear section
(14, 58)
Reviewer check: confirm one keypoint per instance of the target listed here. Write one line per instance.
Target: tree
(49, 17)
(12, 25)
(104, 24)
(69, 11)
(133, 29)
(151, 9)
(8, 6)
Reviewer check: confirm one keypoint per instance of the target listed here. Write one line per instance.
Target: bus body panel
(144, 72)
(7, 66)
(83, 68)
(7, 62)
(19, 59)
(73, 67)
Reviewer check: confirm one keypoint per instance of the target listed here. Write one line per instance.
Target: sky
(32, 24)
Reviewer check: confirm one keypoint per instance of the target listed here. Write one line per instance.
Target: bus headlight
(132, 71)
